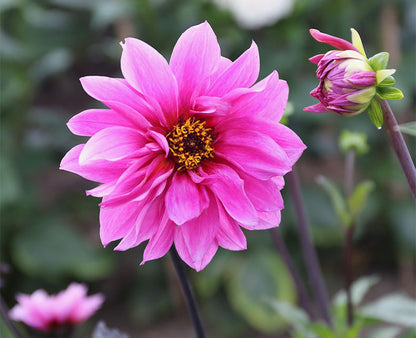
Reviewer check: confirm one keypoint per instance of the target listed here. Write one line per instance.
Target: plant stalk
(186, 288)
(304, 299)
(399, 145)
(349, 233)
(309, 253)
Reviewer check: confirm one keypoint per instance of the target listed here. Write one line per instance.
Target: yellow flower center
(190, 142)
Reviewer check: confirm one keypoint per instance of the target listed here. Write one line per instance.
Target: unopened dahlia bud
(349, 82)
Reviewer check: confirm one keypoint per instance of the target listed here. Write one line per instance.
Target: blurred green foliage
(49, 229)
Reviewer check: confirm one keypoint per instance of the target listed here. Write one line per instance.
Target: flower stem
(399, 145)
(186, 288)
(304, 299)
(7, 320)
(348, 246)
(309, 253)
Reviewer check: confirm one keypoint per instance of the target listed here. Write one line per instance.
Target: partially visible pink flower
(48, 312)
(347, 81)
(189, 150)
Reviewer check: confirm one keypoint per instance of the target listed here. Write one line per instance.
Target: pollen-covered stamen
(190, 142)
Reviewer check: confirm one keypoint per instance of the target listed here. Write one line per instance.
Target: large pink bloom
(189, 150)
(67, 308)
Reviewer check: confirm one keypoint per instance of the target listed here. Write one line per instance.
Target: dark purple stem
(186, 288)
(399, 145)
(348, 248)
(304, 299)
(7, 320)
(309, 253)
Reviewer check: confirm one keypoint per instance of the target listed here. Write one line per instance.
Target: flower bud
(348, 81)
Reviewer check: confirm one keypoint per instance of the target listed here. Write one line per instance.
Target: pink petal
(186, 256)
(194, 58)
(67, 300)
(117, 93)
(98, 171)
(149, 73)
(228, 187)
(160, 243)
(199, 233)
(102, 190)
(266, 99)
(316, 108)
(87, 308)
(253, 152)
(112, 144)
(184, 199)
(315, 59)
(116, 222)
(139, 186)
(242, 73)
(332, 40)
(267, 220)
(282, 135)
(229, 234)
(90, 121)
(146, 224)
(265, 195)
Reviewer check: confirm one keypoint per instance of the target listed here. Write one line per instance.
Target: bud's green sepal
(389, 93)
(375, 113)
(379, 61)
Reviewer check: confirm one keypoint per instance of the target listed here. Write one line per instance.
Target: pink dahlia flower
(189, 150)
(47, 313)
(347, 81)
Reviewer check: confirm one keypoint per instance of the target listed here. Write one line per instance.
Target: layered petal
(149, 73)
(195, 57)
(240, 74)
(228, 188)
(255, 153)
(112, 144)
(184, 200)
(98, 171)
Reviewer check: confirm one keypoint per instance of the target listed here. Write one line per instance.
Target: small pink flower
(46, 313)
(347, 81)
(189, 150)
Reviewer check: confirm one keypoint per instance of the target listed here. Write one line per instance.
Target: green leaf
(389, 93)
(358, 199)
(52, 250)
(338, 201)
(408, 128)
(379, 61)
(375, 113)
(385, 332)
(389, 81)
(353, 140)
(358, 290)
(322, 330)
(297, 318)
(259, 277)
(397, 309)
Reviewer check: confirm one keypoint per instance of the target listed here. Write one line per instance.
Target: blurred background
(49, 228)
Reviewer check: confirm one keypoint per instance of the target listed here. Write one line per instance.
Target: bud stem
(399, 145)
